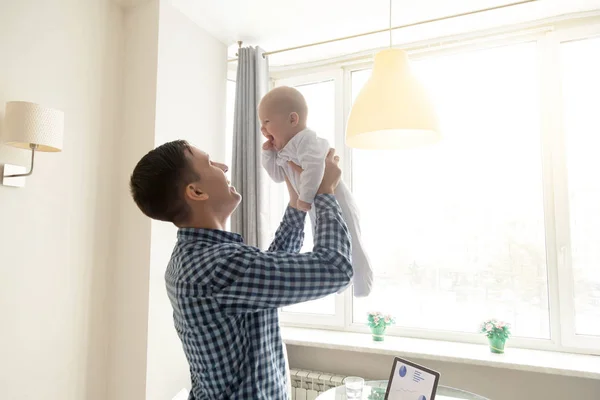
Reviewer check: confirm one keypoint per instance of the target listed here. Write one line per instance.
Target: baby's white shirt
(308, 151)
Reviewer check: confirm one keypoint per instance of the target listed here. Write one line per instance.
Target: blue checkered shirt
(225, 297)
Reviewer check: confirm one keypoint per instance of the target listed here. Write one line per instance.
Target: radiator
(307, 385)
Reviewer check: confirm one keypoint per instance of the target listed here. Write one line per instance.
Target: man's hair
(158, 182)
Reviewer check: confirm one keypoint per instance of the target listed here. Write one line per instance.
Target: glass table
(375, 390)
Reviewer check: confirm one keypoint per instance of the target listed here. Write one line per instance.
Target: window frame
(564, 270)
(305, 319)
(555, 190)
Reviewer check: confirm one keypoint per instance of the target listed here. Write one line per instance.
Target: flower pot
(378, 333)
(497, 345)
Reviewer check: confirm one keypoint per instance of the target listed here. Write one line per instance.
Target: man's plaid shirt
(225, 297)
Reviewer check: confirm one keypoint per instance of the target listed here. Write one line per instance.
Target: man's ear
(294, 118)
(195, 193)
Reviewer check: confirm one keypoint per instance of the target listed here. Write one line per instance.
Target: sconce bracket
(8, 180)
(14, 175)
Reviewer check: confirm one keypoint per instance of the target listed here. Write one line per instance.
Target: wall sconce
(30, 126)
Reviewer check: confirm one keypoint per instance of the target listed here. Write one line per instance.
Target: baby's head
(282, 113)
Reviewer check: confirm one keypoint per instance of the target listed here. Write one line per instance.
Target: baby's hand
(268, 145)
(303, 206)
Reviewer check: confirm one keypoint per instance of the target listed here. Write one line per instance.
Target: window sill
(565, 364)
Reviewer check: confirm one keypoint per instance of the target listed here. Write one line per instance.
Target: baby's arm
(311, 154)
(269, 163)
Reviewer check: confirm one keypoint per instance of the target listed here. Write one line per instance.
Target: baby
(283, 113)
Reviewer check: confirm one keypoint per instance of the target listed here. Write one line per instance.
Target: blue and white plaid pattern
(225, 297)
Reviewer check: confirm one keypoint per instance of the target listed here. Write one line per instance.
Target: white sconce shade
(33, 127)
(392, 111)
(27, 124)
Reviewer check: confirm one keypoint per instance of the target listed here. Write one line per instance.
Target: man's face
(222, 197)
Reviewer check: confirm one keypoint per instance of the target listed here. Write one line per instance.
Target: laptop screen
(409, 381)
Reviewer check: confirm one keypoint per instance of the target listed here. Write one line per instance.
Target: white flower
(489, 327)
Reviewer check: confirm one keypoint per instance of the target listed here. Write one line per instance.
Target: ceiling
(276, 24)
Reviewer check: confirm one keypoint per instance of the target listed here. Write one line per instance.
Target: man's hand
(331, 179)
(293, 194)
(303, 206)
(332, 174)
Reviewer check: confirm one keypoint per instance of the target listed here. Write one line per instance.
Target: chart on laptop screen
(409, 381)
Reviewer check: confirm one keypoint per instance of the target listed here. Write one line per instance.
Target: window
(229, 119)
(320, 95)
(229, 115)
(581, 99)
(457, 230)
(321, 118)
(501, 219)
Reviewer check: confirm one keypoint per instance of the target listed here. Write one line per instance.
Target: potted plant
(378, 324)
(497, 332)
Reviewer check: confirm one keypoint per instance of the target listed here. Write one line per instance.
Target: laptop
(410, 381)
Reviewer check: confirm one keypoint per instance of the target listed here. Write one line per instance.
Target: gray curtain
(247, 175)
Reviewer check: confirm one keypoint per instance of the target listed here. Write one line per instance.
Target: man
(225, 294)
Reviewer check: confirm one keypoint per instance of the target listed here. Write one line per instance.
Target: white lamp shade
(28, 123)
(392, 111)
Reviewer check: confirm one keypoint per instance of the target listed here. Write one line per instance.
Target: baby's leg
(312, 214)
(363, 272)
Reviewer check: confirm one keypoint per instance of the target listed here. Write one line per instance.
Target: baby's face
(277, 127)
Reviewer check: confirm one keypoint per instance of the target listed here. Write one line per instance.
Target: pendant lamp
(392, 110)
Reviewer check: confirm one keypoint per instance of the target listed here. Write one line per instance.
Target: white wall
(190, 105)
(84, 310)
(494, 383)
(55, 234)
(129, 283)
